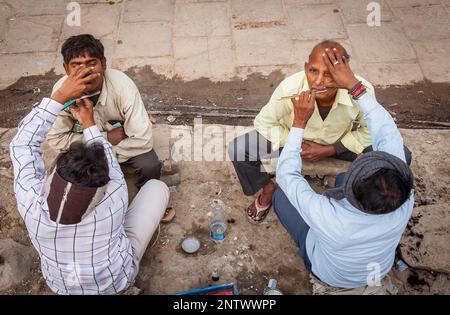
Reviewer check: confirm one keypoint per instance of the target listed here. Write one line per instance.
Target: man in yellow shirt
(336, 129)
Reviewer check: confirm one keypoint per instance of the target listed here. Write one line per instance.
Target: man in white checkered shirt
(78, 219)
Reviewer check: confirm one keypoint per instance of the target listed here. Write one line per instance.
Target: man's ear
(66, 67)
(103, 61)
(305, 65)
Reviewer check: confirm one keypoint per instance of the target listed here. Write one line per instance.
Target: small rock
(240, 98)
(235, 238)
(154, 98)
(171, 180)
(171, 118)
(173, 189)
(132, 291)
(329, 181)
(15, 263)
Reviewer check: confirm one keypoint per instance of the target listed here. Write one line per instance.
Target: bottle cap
(272, 284)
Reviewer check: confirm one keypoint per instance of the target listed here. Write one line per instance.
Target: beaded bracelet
(360, 91)
(357, 85)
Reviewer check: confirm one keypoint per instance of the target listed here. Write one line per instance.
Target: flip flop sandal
(168, 215)
(259, 209)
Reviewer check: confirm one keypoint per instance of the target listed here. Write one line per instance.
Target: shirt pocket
(341, 123)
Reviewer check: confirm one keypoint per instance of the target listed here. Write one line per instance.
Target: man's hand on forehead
(339, 68)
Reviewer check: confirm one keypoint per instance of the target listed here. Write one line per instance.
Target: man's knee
(158, 188)
(151, 169)
(148, 166)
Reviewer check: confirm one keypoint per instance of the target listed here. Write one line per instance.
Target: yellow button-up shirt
(275, 119)
(119, 100)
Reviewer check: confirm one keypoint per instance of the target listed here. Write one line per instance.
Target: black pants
(351, 156)
(146, 166)
(293, 223)
(247, 151)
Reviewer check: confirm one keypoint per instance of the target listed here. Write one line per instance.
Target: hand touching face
(303, 108)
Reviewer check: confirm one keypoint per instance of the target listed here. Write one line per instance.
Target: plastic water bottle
(272, 289)
(218, 227)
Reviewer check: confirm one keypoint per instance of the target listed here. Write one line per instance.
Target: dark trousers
(146, 166)
(246, 153)
(351, 156)
(292, 222)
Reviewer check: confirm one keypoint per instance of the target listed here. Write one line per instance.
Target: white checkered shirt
(91, 257)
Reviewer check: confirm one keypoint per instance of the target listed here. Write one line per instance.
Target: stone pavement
(223, 39)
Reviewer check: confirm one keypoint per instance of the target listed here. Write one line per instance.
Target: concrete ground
(222, 39)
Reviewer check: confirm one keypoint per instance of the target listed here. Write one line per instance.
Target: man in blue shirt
(353, 230)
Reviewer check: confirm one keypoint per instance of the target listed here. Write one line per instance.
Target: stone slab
(153, 39)
(425, 22)
(148, 11)
(384, 74)
(263, 46)
(383, 43)
(302, 21)
(202, 19)
(433, 58)
(100, 20)
(191, 57)
(356, 13)
(411, 3)
(33, 34)
(13, 66)
(256, 11)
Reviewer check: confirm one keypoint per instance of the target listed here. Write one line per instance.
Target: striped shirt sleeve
(25, 151)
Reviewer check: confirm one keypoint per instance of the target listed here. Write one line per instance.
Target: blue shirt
(347, 247)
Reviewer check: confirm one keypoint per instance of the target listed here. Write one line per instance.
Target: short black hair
(383, 192)
(76, 46)
(84, 165)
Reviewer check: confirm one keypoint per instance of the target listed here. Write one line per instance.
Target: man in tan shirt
(119, 111)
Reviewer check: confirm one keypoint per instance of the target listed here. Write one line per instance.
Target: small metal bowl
(190, 244)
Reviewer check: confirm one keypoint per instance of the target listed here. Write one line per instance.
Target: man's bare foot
(264, 201)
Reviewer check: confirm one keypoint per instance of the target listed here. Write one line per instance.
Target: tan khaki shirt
(119, 100)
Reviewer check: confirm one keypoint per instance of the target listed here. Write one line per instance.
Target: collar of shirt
(104, 93)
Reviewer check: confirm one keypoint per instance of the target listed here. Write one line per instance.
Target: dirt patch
(236, 102)
(17, 100)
